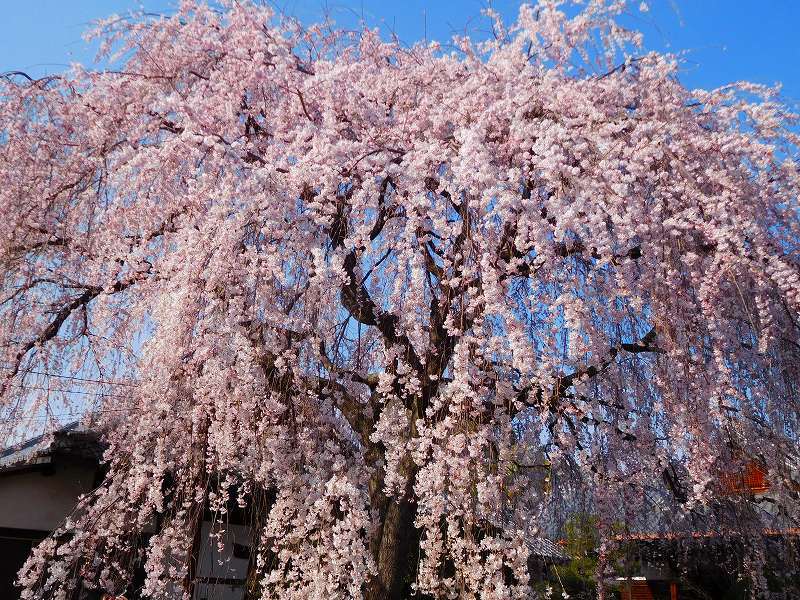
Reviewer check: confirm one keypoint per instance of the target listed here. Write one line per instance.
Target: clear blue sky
(755, 40)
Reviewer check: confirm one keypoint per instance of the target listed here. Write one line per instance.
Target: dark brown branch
(355, 297)
(53, 327)
(370, 380)
(359, 415)
(303, 104)
(534, 397)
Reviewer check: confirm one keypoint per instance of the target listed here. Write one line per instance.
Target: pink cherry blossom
(366, 287)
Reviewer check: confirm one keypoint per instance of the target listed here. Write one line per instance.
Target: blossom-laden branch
(358, 288)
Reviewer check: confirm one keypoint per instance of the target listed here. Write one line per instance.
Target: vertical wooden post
(673, 590)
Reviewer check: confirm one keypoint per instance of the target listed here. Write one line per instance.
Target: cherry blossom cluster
(377, 292)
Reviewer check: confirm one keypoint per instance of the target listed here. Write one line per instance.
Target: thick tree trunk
(395, 545)
(394, 552)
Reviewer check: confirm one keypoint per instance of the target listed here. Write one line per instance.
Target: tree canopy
(369, 287)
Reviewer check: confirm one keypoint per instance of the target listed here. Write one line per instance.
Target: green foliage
(578, 576)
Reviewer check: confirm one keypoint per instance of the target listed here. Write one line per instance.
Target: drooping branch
(535, 396)
(52, 329)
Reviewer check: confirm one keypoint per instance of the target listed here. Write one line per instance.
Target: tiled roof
(74, 439)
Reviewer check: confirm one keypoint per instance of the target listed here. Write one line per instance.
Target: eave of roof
(652, 537)
(74, 440)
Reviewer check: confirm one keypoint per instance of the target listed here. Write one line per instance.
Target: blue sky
(727, 40)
